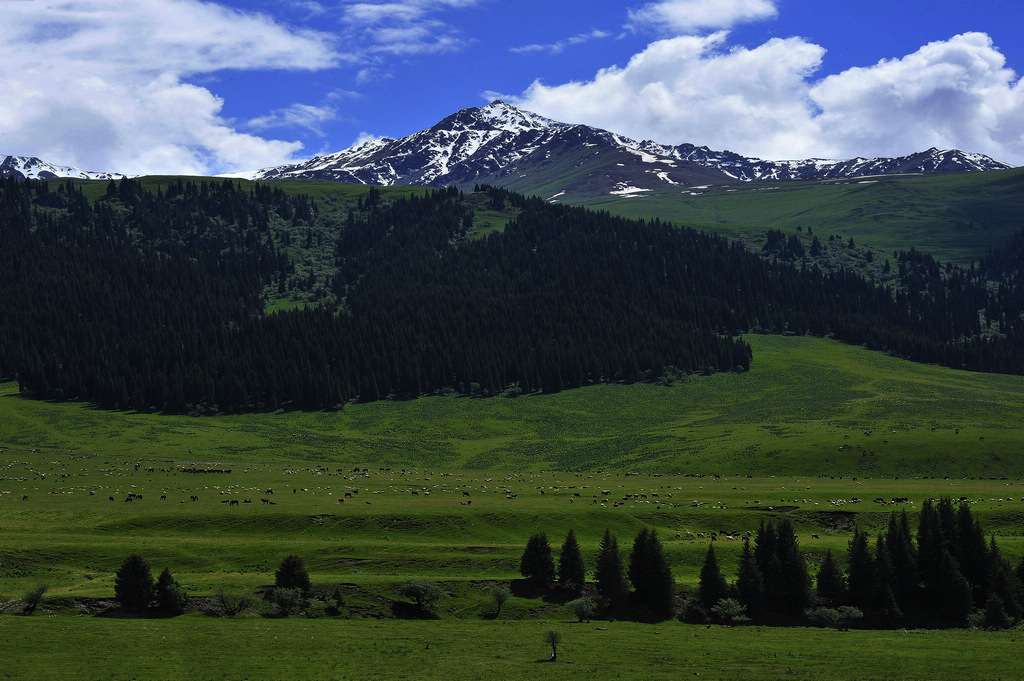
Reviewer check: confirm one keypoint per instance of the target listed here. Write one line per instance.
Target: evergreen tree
(750, 582)
(133, 584)
(795, 583)
(860, 572)
(712, 586)
(957, 601)
(651, 575)
(608, 571)
(537, 563)
(829, 583)
(571, 570)
(903, 561)
(292, 575)
(170, 597)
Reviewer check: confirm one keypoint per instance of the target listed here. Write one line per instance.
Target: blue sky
(189, 86)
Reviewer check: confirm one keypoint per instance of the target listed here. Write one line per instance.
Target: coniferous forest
(154, 300)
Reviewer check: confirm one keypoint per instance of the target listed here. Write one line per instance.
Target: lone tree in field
(608, 573)
(537, 564)
(133, 584)
(292, 575)
(500, 594)
(553, 637)
(571, 571)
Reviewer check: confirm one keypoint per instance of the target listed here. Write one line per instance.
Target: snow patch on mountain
(32, 168)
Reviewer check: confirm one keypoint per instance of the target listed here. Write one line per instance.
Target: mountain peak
(501, 144)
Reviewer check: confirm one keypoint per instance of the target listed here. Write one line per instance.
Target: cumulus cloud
(687, 16)
(105, 84)
(954, 93)
(765, 102)
(689, 88)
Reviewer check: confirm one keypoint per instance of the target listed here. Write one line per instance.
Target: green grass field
(196, 647)
(814, 426)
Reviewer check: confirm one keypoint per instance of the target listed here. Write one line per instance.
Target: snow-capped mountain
(502, 145)
(31, 168)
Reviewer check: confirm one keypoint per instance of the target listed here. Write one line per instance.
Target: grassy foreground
(816, 431)
(204, 648)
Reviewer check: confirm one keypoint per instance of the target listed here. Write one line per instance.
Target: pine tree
(795, 583)
(537, 563)
(829, 583)
(956, 601)
(651, 575)
(712, 586)
(860, 571)
(750, 582)
(133, 584)
(292, 575)
(608, 571)
(170, 597)
(571, 570)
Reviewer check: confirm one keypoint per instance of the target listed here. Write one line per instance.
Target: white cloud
(687, 16)
(307, 116)
(690, 89)
(764, 101)
(404, 28)
(954, 93)
(559, 47)
(103, 84)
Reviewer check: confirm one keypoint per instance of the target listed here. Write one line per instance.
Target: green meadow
(450, 488)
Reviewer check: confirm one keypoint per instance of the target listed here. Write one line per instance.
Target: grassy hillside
(955, 217)
(807, 407)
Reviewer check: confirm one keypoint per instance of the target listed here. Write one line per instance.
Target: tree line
(154, 300)
(642, 588)
(947, 575)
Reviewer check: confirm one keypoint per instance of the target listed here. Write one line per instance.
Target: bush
(500, 594)
(730, 611)
(427, 594)
(839, 619)
(582, 608)
(33, 598)
(286, 600)
(233, 604)
(133, 584)
(292, 575)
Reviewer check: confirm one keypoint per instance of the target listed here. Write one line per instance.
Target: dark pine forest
(154, 299)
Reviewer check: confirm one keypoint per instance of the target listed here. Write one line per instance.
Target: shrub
(839, 619)
(286, 600)
(33, 598)
(582, 608)
(500, 594)
(427, 594)
(730, 611)
(233, 604)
